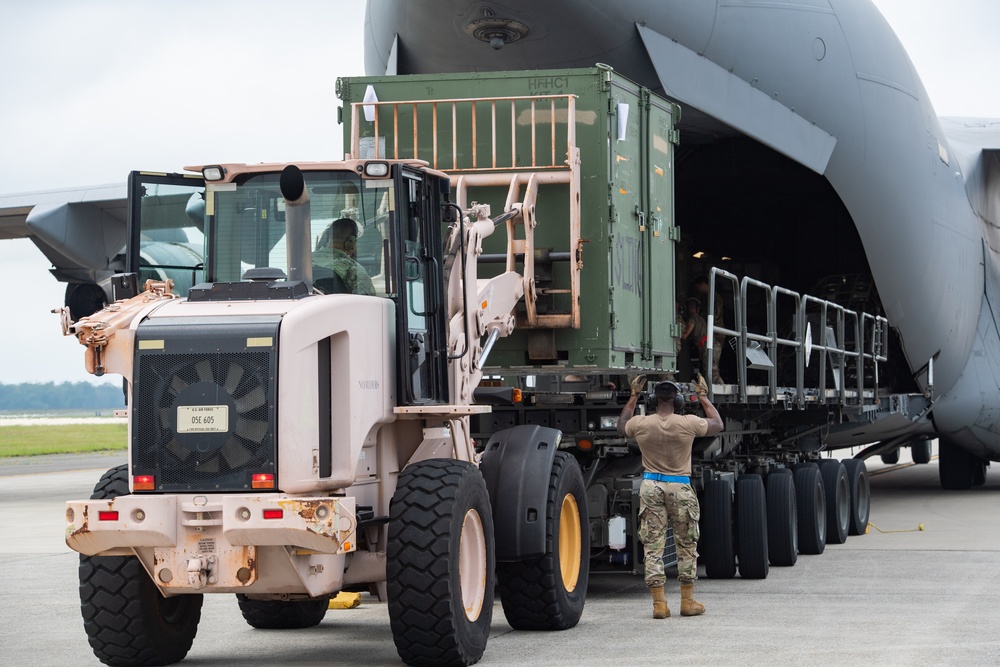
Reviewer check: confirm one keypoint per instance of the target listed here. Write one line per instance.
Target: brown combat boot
(660, 608)
(690, 606)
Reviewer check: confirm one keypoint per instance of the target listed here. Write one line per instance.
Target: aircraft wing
(15, 208)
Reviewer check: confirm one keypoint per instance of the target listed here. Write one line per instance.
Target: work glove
(700, 386)
(638, 384)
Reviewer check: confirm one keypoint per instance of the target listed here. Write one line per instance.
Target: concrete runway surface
(902, 598)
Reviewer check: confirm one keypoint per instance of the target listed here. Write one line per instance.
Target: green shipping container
(484, 129)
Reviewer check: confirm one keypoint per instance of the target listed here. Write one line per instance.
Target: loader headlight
(376, 169)
(213, 173)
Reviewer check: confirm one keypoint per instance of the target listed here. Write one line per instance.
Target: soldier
(336, 250)
(665, 495)
(702, 286)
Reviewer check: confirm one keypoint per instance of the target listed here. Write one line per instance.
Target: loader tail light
(262, 480)
(273, 514)
(107, 516)
(515, 395)
(144, 483)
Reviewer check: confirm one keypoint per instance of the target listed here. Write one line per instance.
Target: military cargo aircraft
(810, 156)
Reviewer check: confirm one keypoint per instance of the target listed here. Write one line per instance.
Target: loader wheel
(956, 467)
(782, 522)
(128, 621)
(861, 502)
(717, 550)
(751, 527)
(548, 593)
(281, 614)
(810, 502)
(838, 500)
(440, 563)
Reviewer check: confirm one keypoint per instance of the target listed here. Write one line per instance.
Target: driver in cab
(336, 251)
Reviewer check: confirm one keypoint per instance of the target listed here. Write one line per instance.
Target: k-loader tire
(717, 549)
(548, 593)
(751, 527)
(128, 621)
(283, 615)
(440, 563)
(782, 520)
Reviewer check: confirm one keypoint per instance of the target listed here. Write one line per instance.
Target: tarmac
(920, 597)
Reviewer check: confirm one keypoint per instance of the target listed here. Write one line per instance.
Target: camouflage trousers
(663, 504)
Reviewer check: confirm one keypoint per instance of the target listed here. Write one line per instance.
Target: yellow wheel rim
(472, 564)
(569, 542)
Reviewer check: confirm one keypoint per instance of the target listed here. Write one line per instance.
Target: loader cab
(192, 230)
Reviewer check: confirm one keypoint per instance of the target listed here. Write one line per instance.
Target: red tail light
(262, 480)
(273, 514)
(144, 483)
(107, 516)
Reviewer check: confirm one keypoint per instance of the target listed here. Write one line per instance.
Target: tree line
(62, 396)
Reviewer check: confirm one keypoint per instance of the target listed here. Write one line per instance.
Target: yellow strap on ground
(345, 601)
(868, 529)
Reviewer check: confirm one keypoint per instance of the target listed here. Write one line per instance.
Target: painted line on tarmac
(882, 471)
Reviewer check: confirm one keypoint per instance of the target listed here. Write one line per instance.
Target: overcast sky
(91, 90)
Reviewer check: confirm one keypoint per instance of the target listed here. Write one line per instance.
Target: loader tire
(128, 622)
(440, 563)
(281, 614)
(548, 592)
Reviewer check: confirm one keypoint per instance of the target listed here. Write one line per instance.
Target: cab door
(421, 338)
(166, 229)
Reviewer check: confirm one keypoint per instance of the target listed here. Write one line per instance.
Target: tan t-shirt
(665, 441)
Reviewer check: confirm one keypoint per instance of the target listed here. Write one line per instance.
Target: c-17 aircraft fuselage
(809, 148)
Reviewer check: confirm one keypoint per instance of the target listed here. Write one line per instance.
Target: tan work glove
(700, 386)
(637, 384)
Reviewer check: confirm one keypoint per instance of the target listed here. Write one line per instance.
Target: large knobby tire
(920, 450)
(128, 621)
(717, 548)
(548, 593)
(861, 495)
(810, 503)
(782, 522)
(281, 614)
(751, 527)
(956, 467)
(838, 500)
(440, 563)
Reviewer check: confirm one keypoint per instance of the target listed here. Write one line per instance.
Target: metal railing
(868, 347)
(522, 179)
(537, 111)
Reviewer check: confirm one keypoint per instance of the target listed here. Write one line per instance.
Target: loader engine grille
(203, 420)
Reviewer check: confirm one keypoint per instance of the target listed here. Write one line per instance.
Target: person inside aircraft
(337, 270)
(701, 285)
(695, 331)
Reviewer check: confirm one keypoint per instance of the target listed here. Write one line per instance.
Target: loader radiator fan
(232, 435)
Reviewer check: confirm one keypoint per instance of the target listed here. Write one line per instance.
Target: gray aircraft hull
(823, 83)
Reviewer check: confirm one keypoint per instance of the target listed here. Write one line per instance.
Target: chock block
(346, 601)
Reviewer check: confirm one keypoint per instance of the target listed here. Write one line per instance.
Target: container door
(661, 234)
(627, 225)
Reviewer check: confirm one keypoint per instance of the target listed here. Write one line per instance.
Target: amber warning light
(262, 480)
(144, 483)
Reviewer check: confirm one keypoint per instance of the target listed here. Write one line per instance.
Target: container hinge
(614, 322)
(612, 214)
(340, 115)
(675, 137)
(674, 233)
(675, 330)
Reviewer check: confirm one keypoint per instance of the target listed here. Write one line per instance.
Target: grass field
(62, 439)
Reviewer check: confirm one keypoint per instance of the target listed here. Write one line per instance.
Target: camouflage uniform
(352, 273)
(662, 504)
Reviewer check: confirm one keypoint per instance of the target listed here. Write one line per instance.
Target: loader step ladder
(446, 133)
